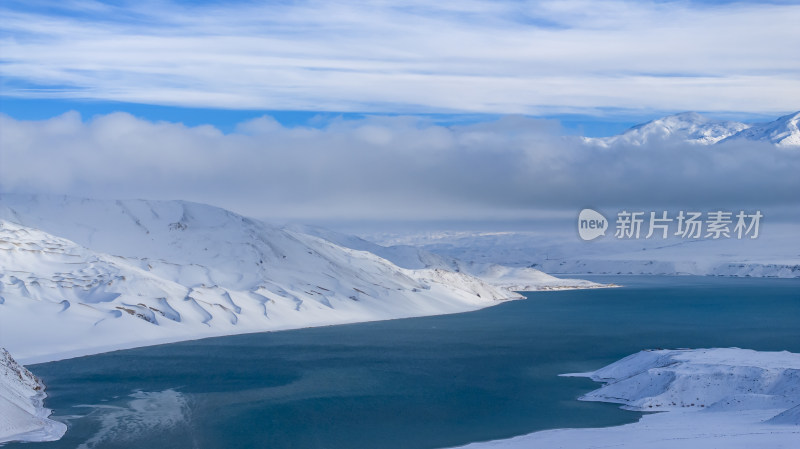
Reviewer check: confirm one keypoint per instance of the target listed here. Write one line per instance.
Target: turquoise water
(413, 383)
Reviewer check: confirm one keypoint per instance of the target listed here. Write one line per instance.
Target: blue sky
(598, 67)
(226, 120)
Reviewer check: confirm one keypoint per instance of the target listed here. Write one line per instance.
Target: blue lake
(412, 383)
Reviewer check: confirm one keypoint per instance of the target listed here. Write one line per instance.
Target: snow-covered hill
(721, 379)
(694, 128)
(112, 274)
(22, 416)
(184, 270)
(731, 398)
(413, 257)
(782, 132)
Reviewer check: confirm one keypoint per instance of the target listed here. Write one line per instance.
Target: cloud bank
(385, 167)
(528, 57)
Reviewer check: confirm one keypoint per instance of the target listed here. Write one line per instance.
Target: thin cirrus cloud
(385, 167)
(408, 56)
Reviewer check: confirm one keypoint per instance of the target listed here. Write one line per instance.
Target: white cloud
(477, 56)
(384, 167)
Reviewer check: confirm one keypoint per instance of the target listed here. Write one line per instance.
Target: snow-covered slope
(168, 271)
(725, 398)
(405, 256)
(529, 279)
(413, 257)
(688, 126)
(721, 379)
(22, 417)
(783, 132)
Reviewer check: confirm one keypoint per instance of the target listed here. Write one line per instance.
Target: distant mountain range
(695, 128)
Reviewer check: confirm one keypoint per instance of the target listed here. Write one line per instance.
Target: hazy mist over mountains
(406, 168)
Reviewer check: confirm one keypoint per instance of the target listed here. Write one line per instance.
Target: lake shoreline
(517, 348)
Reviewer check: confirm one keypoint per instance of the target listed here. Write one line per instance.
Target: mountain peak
(685, 126)
(783, 132)
(692, 127)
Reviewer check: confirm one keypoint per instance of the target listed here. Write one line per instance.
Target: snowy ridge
(183, 270)
(412, 257)
(783, 132)
(530, 279)
(688, 126)
(694, 128)
(22, 416)
(726, 398)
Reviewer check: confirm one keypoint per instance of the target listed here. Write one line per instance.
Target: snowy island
(709, 398)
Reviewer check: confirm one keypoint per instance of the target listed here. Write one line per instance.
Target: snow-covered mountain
(111, 274)
(22, 416)
(696, 129)
(687, 126)
(782, 132)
